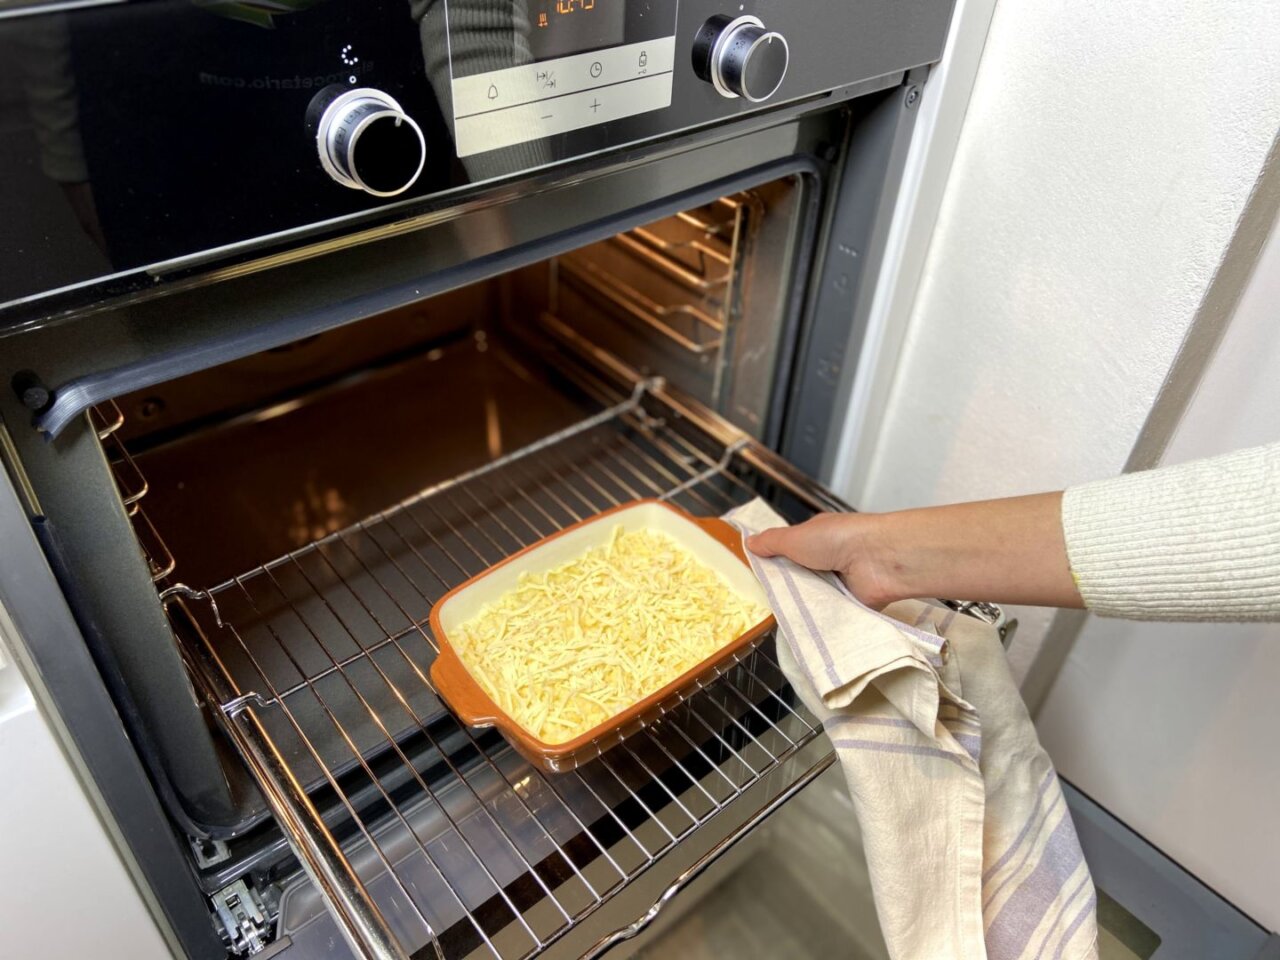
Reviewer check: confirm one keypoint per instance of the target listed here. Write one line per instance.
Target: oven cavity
(317, 499)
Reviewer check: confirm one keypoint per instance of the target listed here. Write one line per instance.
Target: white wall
(1174, 728)
(1105, 156)
(1106, 153)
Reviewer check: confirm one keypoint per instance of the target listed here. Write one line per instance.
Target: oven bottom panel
(420, 838)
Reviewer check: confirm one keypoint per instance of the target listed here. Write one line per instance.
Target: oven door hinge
(987, 613)
(241, 917)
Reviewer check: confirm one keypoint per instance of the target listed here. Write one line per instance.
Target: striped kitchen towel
(970, 847)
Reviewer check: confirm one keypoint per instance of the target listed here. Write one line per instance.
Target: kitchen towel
(969, 844)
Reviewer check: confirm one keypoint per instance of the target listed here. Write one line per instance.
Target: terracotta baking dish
(711, 540)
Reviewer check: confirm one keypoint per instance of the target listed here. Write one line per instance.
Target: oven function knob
(740, 58)
(367, 142)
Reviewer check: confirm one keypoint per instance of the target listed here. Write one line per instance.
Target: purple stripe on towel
(1075, 924)
(1010, 931)
(1062, 908)
(812, 627)
(1022, 834)
(847, 743)
(779, 566)
(784, 625)
(841, 719)
(971, 743)
(1029, 847)
(946, 622)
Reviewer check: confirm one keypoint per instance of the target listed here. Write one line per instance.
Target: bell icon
(493, 92)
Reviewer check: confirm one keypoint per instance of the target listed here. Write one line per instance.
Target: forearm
(1004, 551)
(1197, 541)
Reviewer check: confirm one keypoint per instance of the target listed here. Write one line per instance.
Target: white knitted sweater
(1197, 541)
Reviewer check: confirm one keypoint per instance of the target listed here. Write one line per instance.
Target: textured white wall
(1105, 156)
(1173, 728)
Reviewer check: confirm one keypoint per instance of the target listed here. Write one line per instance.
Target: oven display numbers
(562, 7)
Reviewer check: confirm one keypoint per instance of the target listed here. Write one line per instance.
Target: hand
(1003, 551)
(843, 542)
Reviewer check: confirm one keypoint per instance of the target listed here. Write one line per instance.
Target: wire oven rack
(107, 418)
(446, 843)
(695, 253)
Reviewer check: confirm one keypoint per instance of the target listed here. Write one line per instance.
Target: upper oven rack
(455, 846)
(694, 254)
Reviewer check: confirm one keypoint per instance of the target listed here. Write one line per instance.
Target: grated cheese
(573, 647)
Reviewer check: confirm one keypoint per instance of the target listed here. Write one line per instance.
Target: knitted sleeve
(1197, 541)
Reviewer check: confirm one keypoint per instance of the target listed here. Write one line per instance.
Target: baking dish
(713, 541)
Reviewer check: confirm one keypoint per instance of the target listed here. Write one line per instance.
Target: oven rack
(106, 419)
(703, 332)
(695, 253)
(454, 845)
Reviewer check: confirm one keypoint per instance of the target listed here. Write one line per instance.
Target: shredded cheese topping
(573, 647)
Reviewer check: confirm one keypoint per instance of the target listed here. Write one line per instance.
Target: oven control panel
(575, 64)
(172, 128)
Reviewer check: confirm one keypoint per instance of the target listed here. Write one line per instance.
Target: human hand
(844, 542)
(1004, 551)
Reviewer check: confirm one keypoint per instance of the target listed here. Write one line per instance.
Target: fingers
(817, 543)
(767, 543)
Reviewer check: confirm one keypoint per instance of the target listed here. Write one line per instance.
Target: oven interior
(257, 457)
(301, 509)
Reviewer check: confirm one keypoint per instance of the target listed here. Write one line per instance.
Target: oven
(313, 310)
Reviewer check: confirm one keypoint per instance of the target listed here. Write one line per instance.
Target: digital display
(572, 64)
(560, 27)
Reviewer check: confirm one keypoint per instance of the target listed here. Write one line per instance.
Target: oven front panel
(147, 132)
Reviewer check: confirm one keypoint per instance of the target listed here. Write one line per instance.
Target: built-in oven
(314, 310)
(311, 310)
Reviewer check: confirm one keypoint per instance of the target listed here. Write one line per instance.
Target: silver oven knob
(367, 142)
(740, 58)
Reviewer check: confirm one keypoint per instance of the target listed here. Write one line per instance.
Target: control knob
(740, 58)
(366, 141)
